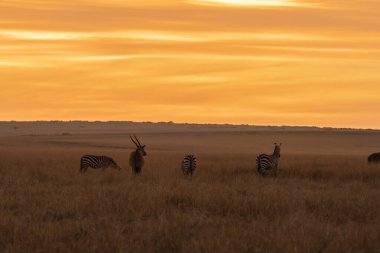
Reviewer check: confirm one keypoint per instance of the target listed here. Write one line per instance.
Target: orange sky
(263, 62)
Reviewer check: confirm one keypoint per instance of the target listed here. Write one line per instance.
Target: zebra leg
(83, 169)
(262, 172)
(83, 166)
(258, 166)
(275, 170)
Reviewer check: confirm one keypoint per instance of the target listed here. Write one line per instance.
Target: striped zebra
(189, 164)
(374, 158)
(97, 162)
(269, 163)
(136, 159)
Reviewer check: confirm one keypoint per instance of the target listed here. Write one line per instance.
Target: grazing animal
(374, 158)
(189, 163)
(269, 163)
(136, 159)
(97, 162)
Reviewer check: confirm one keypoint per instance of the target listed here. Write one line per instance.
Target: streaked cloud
(154, 35)
(273, 3)
(42, 35)
(259, 62)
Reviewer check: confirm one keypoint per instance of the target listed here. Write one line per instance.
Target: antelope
(136, 159)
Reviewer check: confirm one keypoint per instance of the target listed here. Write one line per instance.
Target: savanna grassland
(325, 198)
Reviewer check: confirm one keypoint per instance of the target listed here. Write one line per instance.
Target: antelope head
(139, 148)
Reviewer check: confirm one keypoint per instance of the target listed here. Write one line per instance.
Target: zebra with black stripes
(188, 165)
(269, 163)
(97, 162)
(136, 159)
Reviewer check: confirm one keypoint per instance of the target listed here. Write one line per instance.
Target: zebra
(97, 162)
(189, 163)
(374, 158)
(269, 163)
(136, 159)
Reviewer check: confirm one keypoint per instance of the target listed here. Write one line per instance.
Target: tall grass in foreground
(316, 204)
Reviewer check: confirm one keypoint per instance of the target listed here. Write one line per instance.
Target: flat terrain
(325, 198)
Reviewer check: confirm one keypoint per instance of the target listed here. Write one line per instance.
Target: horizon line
(192, 123)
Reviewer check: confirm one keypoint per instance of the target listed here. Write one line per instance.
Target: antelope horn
(138, 141)
(133, 140)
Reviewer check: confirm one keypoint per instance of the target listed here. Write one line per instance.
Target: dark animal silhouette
(374, 158)
(136, 159)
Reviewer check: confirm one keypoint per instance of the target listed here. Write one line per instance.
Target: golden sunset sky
(264, 62)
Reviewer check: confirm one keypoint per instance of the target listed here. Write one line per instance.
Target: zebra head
(140, 148)
(114, 165)
(277, 150)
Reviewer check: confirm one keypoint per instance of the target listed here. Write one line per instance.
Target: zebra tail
(81, 165)
(258, 163)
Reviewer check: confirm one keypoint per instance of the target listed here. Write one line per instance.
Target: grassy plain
(325, 198)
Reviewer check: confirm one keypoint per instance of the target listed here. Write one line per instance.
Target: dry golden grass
(321, 201)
